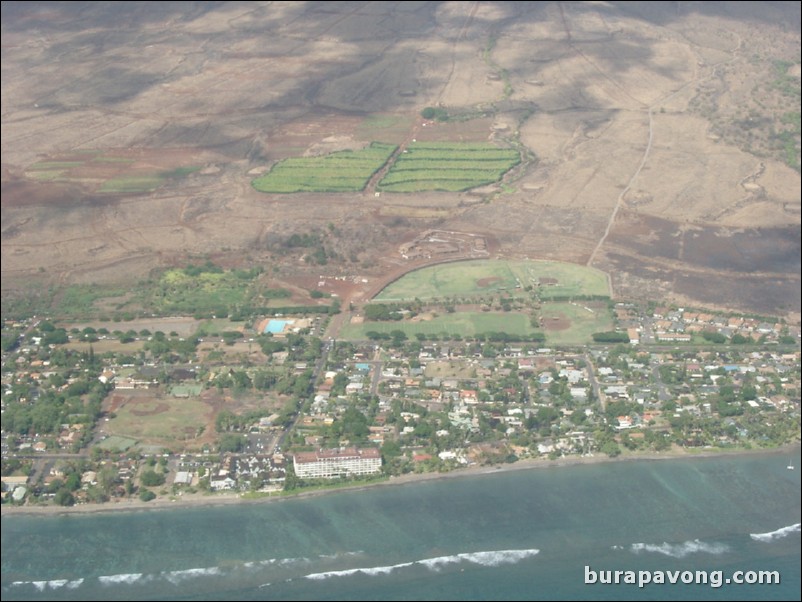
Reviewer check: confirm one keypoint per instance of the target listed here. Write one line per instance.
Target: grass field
(159, 419)
(482, 277)
(582, 320)
(115, 442)
(462, 323)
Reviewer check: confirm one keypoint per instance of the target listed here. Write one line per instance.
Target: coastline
(234, 499)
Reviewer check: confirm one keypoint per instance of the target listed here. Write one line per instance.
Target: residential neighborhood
(173, 417)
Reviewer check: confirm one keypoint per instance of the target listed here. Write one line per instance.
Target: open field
(116, 442)
(574, 323)
(637, 123)
(463, 323)
(563, 323)
(183, 326)
(112, 171)
(488, 277)
(106, 346)
(160, 419)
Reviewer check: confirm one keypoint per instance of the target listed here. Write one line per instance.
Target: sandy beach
(199, 500)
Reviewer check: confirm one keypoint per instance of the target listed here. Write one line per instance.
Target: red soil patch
(556, 323)
(116, 402)
(486, 282)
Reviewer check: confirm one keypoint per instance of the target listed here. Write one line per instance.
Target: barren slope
(654, 131)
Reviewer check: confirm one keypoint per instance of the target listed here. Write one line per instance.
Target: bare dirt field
(657, 139)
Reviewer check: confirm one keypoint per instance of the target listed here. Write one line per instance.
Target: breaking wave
(52, 584)
(778, 534)
(176, 577)
(125, 578)
(488, 558)
(681, 550)
(376, 570)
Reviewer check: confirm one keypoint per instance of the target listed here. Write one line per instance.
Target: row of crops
(423, 166)
(342, 171)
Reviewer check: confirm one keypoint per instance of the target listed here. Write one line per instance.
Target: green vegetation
(611, 337)
(343, 171)
(577, 322)
(80, 301)
(81, 166)
(135, 184)
(51, 165)
(383, 126)
(462, 324)
(790, 138)
(435, 113)
(160, 420)
(116, 443)
(151, 478)
(448, 166)
(553, 280)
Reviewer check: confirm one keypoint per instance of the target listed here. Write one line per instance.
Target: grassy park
(481, 277)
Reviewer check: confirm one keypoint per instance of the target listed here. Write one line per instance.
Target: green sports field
(465, 324)
(481, 277)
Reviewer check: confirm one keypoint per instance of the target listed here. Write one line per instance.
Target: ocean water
(521, 535)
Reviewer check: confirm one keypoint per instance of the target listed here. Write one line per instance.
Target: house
(221, 482)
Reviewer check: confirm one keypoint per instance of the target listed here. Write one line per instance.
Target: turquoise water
(276, 326)
(523, 535)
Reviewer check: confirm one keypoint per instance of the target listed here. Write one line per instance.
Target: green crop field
(342, 171)
(448, 166)
(465, 324)
(482, 277)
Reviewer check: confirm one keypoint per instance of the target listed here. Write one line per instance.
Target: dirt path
(620, 201)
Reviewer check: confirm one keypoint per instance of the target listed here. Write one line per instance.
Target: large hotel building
(333, 463)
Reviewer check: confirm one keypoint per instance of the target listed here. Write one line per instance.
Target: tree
(151, 478)
(107, 478)
(146, 495)
(436, 113)
(232, 443)
(611, 448)
(63, 497)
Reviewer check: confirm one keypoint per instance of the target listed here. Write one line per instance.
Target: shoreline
(234, 499)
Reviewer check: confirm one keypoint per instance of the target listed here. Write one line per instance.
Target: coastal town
(278, 406)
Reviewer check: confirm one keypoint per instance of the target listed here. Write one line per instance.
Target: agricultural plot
(466, 279)
(107, 173)
(464, 324)
(343, 171)
(448, 166)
